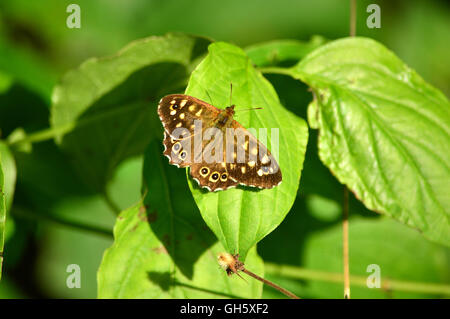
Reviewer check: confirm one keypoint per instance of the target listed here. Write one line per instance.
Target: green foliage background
(61, 196)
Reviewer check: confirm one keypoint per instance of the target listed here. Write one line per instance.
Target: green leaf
(27, 69)
(9, 173)
(281, 51)
(163, 249)
(241, 217)
(109, 104)
(7, 185)
(384, 132)
(2, 215)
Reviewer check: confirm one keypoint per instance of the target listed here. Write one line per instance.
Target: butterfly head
(230, 110)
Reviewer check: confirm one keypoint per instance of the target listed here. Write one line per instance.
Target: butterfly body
(225, 117)
(220, 152)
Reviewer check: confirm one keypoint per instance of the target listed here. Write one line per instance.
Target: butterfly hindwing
(178, 151)
(213, 177)
(259, 167)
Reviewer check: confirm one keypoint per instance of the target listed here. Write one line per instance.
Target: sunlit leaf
(241, 217)
(384, 132)
(9, 173)
(163, 249)
(2, 215)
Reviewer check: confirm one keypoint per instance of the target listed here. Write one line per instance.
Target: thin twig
(232, 265)
(345, 246)
(271, 284)
(393, 284)
(352, 18)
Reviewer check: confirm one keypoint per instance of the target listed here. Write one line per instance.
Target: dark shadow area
(175, 218)
(121, 123)
(163, 280)
(21, 107)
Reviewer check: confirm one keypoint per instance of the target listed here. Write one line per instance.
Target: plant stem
(45, 134)
(345, 246)
(49, 217)
(391, 284)
(352, 18)
(271, 284)
(276, 70)
(52, 132)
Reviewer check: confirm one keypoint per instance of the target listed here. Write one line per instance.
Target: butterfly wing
(213, 177)
(260, 168)
(181, 111)
(178, 151)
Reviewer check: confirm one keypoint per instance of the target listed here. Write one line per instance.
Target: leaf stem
(50, 217)
(352, 18)
(45, 134)
(295, 272)
(52, 132)
(271, 284)
(345, 256)
(276, 70)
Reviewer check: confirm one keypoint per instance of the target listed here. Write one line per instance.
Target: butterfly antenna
(254, 108)
(231, 92)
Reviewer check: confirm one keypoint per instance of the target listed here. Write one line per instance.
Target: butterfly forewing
(179, 111)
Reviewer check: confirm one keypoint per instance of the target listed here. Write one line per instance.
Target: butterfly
(219, 151)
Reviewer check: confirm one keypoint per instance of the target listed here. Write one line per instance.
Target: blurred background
(36, 49)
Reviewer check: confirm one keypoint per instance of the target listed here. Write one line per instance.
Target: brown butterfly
(220, 152)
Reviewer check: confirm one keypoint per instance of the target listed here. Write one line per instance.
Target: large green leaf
(311, 237)
(384, 132)
(9, 173)
(111, 102)
(2, 216)
(162, 247)
(242, 216)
